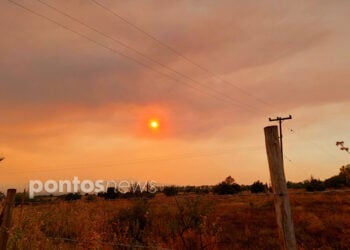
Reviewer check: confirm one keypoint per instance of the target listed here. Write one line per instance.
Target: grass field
(322, 221)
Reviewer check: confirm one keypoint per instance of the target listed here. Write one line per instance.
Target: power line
(218, 95)
(140, 53)
(176, 52)
(228, 98)
(98, 43)
(293, 131)
(165, 45)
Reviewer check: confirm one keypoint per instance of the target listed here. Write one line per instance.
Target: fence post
(5, 218)
(279, 186)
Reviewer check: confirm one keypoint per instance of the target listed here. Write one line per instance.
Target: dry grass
(321, 221)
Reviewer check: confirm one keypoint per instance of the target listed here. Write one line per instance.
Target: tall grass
(321, 221)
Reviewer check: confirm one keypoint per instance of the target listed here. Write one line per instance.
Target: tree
(340, 180)
(229, 180)
(345, 173)
(228, 186)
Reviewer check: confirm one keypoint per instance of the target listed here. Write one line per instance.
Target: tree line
(227, 186)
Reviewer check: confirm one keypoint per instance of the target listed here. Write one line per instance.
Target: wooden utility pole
(5, 218)
(279, 186)
(280, 119)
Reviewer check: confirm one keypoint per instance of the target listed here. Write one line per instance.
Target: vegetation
(130, 223)
(170, 190)
(340, 180)
(314, 185)
(2, 196)
(134, 192)
(111, 194)
(71, 197)
(186, 221)
(258, 187)
(186, 217)
(295, 185)
(228, 186)
(337, 181)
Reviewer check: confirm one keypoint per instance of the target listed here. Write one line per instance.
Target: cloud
(274, 51)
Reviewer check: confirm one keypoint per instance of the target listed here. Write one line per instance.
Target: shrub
(225, 188)
(111, 193)
(170, 190)
(228, 186)
(314, 185)
(21, 198)
(130, 223)
(90, 197)
(2, 196)
(336, 181)
(296, 185)
(189, 189)
(202, 190)
(340, 180)
(72, 197)
(258, 187)
(193, 224)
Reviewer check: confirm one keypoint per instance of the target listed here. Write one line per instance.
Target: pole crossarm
(280, 119)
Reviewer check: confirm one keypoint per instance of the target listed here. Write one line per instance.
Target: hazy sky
(71, 107)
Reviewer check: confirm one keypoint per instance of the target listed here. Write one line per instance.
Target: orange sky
(71, 107)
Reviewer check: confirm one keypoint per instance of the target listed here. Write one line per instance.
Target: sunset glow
(154, 124)
(70, 99)
(176, 110)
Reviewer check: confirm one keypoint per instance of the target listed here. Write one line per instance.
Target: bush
(258, 187)
(202, 190)
(90, 197)
(225, 188)
(111, 193)
(21, 198)
(131, 222)
(296, 185)
(340, 180)
(2, 196)
(313, 185)
(72, 197)
(337, 181)
(170, 190)
(189, 189)
(190, 223)
(228, 186)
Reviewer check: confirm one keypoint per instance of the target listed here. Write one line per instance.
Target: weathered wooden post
(5, 218)
(279, 186)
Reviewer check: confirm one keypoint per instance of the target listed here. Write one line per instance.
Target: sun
(153, 124)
